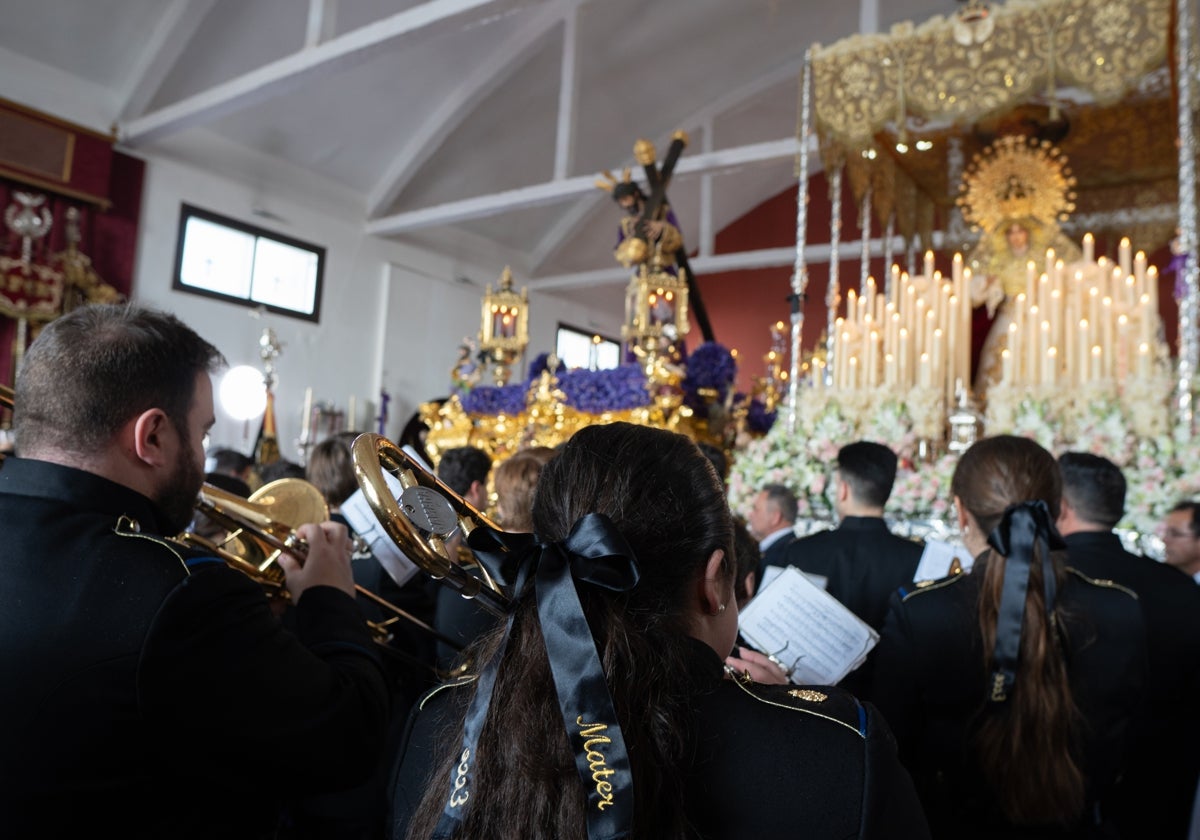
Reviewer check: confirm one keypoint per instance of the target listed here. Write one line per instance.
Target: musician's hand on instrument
(327, 563)
(757, 665)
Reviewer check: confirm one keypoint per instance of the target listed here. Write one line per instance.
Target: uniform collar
(863, 523)
(79, 489)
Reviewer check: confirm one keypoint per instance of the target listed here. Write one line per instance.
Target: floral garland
(1159, 470)
(711, 366)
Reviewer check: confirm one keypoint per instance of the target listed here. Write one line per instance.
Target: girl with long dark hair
(601, 707)
(1012, 689)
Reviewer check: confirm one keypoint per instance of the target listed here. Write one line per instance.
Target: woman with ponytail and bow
(603, 708)
(1012, 689)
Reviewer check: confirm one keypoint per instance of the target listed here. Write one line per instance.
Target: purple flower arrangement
(758, 419)
(597, 391)
(492, 400)
(710, 366)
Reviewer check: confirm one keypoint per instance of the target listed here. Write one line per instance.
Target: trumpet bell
(263, 525)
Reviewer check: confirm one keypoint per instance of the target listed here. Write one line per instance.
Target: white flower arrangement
(1131, 428)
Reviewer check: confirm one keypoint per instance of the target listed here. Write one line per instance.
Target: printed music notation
(808, 630)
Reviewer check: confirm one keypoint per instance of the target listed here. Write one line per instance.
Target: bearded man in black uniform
(150, 691)
(1155, 796)
(862, 561)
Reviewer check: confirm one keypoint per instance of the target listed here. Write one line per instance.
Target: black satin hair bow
(596, 554)
(1023, 528)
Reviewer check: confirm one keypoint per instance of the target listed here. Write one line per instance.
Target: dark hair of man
(460, 467)
(331, 469)
(282, 468)
(991, 475)
(1094, 486)
(526, 783)
(869, 469)
(783, 499)
(98, 366)
(1194, 508)
(230, 461)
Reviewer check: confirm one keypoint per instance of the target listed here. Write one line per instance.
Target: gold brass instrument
(263, 526)
(423, 518)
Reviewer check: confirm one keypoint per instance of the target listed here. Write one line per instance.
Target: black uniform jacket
(863, 562)
(1159, 784)
(146, 692)
(930, 684)
(770, 761)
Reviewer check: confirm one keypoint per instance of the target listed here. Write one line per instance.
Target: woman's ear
(715, 592)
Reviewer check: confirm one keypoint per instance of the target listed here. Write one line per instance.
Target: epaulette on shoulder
(458, 682)
(832, 704)
(1107, 584)
(931, 585)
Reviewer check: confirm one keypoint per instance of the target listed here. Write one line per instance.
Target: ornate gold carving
(808, 695)
(1017, 178)
(864, 83)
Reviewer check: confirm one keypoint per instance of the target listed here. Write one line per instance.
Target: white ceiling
(448, 123)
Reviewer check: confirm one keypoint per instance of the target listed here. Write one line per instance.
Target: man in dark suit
(148, 689)
(862, 561)
(1155, 797)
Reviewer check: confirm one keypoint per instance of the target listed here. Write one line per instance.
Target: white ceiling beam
(483, 78)
(555, 191)
(322, 21)
(174, 29)
(737, 261)
(567, 94)
(569, 221)
(291, 72)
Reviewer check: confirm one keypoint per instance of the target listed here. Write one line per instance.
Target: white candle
(1125, 256)
(1084, 343)
(1006, 366)
(925, 372)
(1143, 361)
(351, 418)
(1089, 246)
(929, 263)
(1050, 370)
(903, 360)
(1097, 373)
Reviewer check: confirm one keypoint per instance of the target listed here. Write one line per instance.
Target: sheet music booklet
(806, 629)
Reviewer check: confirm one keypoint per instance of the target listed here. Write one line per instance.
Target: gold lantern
(504, 327)
(656, 310)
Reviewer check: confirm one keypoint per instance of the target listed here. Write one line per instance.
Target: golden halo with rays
(1017, 177)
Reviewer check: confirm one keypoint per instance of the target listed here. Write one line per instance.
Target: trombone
(263, 527)
(424, 516)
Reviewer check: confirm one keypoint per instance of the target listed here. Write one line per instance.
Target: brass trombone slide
(263, 526)
(424, 516)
